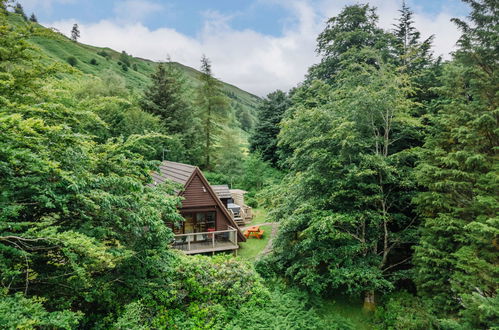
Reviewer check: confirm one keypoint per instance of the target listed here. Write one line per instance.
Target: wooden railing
(201, 242)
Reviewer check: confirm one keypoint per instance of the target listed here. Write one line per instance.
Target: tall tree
(346, 222)
(354, 28)
(33, 18)
(18, 9)
(264, 137)
(415, 57)
(168, 97)
(75, 32)
(457, 255)
(213, 107)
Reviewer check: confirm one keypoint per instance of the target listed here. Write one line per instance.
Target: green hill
(97, 60)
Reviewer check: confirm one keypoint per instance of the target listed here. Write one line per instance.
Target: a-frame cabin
(208, 225)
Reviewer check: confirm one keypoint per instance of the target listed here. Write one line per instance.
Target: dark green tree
(75, 33)
(270, 113)
(415, 57)
(125, 59)
(354, 28)
(457, 256)
(346, 223)
(18, 9)
(33, 18)
(213, 108)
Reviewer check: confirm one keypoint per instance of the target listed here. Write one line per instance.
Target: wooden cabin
(208, 225)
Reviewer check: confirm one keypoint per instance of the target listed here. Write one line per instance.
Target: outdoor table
(253, 229)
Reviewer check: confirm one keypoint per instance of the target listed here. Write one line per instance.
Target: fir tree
(353, 29)
(18, 9)
(213, 107)
(33, 18)
(75, 33)
(457, 255)
(168, 98)
(270, 113)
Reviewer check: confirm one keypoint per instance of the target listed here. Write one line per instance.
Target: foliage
(18, 9)
(72, 60)
(125, 59)
(93, 61)
(33, 18)
(213, 109)
(264, 137)
(75, 33)
(354, 28)
(286, 309)
(403, 310)
(18, 312)
(349, 146)
(457, 255)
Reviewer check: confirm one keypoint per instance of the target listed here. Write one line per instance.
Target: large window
(198, 222)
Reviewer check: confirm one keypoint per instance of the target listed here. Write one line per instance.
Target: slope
(97, 60)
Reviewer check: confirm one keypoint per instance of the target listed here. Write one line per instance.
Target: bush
(72, 60)
(103, 53)
(134, 66)
(403, 310)
(19, 312)
(93, 61)
(124, 67)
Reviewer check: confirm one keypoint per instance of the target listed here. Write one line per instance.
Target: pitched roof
(176, 172)
(222, 191)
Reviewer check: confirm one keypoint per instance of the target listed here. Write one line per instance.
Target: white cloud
(251, 60)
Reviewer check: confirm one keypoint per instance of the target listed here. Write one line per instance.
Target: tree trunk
(369, 304)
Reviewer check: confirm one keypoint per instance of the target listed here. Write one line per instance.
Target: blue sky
(259, 45)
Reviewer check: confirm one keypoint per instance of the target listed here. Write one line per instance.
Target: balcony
(204, 242)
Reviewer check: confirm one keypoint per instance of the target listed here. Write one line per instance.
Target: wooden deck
(203, 247)
(205, 242)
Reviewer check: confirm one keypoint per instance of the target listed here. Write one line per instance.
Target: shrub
(103, 53)
(124, 67)
(134, 67)
(93, 61)
(403, 310)
(72, 60)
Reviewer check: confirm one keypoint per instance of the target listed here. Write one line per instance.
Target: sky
(257, 45)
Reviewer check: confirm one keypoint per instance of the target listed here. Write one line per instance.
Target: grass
(250, 249)
(260, 216)
(57, 48)
(348, 308)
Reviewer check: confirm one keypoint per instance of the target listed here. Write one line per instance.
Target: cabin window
(205, 221)
(198, 222)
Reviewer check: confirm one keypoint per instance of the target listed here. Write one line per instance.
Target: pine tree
(75, 33)
(33, 18)
(353, 29)
(213, 107)
(18, 9)
(415, 57)
(168, 98)
(270, 113)
(457, 255)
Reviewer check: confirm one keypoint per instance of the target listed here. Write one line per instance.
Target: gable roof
(177, 172)
(222, 191)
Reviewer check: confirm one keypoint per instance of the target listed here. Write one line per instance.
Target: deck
(205, 242)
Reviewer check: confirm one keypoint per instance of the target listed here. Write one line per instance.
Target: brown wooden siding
(196, 196)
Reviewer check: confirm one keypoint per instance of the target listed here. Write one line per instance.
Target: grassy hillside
(90, 60)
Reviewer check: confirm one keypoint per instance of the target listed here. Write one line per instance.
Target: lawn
(260, 216)
(250, 249)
